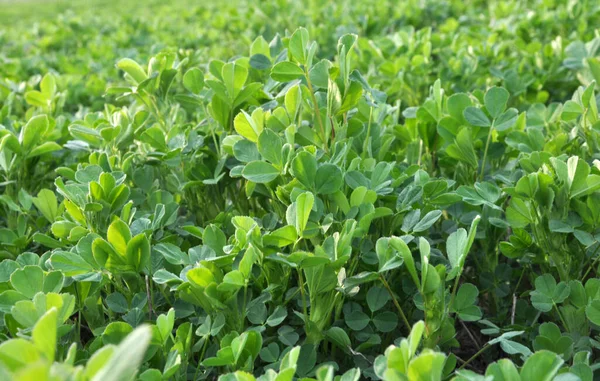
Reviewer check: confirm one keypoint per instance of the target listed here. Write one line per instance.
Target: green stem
(487, 146)
(317, 111)
(204, 345)
(562, 320)
(485, 347)
(243, 319)
(149, 296)
(367, 137)
(544, 241)
(592, 264)
(164, 294)
(454, 288)
(304, 307)
(398, 307)
(520, 279)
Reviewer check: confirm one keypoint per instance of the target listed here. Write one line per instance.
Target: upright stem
(398, 307)
(366, 143)
(243, 317)
(149, 296)
(562, 320)
(301, 280)
(317, 111)
(456, 280)
(487, 145)
(592, 264)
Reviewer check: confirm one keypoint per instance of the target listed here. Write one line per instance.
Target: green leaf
(304, 168)
(519, 214)
(304, 204)
(44, 334)
(31, 279)
(137, 252)
(351, 375)
(571, 110)
(106, 256)
(116, 302)
(455, 247)
(193, 80)
(33, 131)
(457, 103)
(27, 312)
(281, 237)
(47, 204)
(270, 147)
(116, 332)
(427, 221)
(387, 255)
(48, 85)
(234, 77)
(286, 71)
(592, 311)
(232, 281)
(277, 317)
(463, 149)
(481, 194)
(165, 324)
(503, 370)
(36, 98)
(495, 100)
(245, 151)
(591, 184)
(11, 142)
(118, 236)
(214, 238)
(287, 335)
(172, 253)
(127, 357)
(577, 172)
(298, 45)
(377, 297)
(476, 117)
(360, 278)
(44, 148)
(458, 245)
(151, 375)
(357, 320)
(428, 366)
(550, 338)
(514, 348)
(319, 74)
(155, 137)
(386, 321)
(506, 120)
(547, 293)
(162, 276)
(409, 262)
(541, 366)
(328, 179)
(339, 337)
(132, 68)
(260, 172)
(260, 62)
(16, 354)
(248, 125)
(464, 303)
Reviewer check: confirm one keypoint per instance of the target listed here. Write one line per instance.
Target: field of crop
(310, 190)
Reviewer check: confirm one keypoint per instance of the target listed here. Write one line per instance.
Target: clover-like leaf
(547, 293)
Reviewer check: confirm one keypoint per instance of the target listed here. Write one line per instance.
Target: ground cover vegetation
(309, 190)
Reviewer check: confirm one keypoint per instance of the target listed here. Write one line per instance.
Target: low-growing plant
(399, 192)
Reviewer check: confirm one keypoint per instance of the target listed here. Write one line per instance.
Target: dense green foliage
(300, 190)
